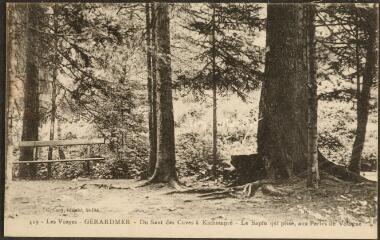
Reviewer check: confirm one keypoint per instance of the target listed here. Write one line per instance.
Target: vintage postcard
(201, 120)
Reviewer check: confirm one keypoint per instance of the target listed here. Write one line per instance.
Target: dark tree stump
(249, 168)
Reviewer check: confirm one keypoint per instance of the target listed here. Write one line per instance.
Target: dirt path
(97, 199)
(27, 199)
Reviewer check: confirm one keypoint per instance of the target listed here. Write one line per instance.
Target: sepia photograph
(196, 120)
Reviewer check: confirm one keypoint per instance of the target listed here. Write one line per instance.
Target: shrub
(129, 161)
(194, 156)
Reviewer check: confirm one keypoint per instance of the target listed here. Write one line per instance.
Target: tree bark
(282, 130)
(10, 35)
(165, 170)
(31, 94)
(61, 153)
(52, 119)
(313, 169)
(10, 76)
(152, 163)
(364, 96)
(214, 100)
(357, 55)
(149, 48)
(53, 96)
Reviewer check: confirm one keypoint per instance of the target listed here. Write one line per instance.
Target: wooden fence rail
(55, 143)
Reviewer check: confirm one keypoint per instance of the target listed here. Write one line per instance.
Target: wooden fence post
(89, 154)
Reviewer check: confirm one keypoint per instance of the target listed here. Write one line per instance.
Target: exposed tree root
(329, 170)
(325, 175)
(100, 186)
(151, 180)
(222, 192)
(228, 192)
(339, 171)
(144, 184)
(268, 189)
(368, 184)
(246, 190)
(218, 197)
(177, 185)
(173, 182)
(250, 189)
(196, 190)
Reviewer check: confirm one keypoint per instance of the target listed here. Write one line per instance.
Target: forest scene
(219, 111)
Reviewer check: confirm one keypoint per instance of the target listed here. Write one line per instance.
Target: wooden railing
(57, 143)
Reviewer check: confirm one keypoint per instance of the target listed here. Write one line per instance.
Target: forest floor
(344, 203)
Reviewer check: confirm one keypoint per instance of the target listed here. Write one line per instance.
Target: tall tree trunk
(358, 63)
(148, 26)
(153, 100)
(364, 96)
(313, 169)
(282, 130)
(52, 119)
(31, 94)
(53, 96)
(10, 75)
(214, 100)
(10, 35)
(165, 170)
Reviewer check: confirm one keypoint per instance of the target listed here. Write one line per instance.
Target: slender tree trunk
(313, 169)
(10, 44)
(9, 73)
(53, 98)
(61, 154)
(364, 97)
(282, 130)
(152, 154)
(214, 100)
(165, 170)
(153, 158)
(52, 118)
(358, 64)
(31, 95)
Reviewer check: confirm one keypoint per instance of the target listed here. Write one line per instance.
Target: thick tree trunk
(313, 169)
(165, 170)
(364, 96)
(282, 130)
(31, 95)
